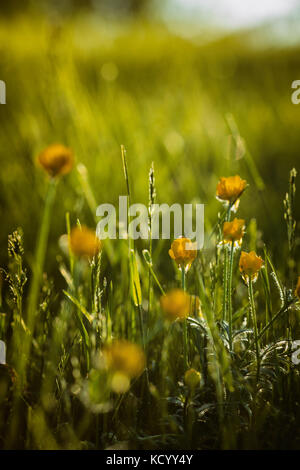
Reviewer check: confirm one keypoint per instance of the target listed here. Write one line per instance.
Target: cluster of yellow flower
(126, 360)
(176, 303)
(229, 190)
(58, 160)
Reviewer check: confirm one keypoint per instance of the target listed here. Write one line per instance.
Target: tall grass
(194, 113)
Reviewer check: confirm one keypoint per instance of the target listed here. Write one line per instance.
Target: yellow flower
(183, 253)
(192, 378)
(250, 265)
(176, 304)
(297, 290)
(231, 188)
(124, 359)
(84, 242)
(234, 231)
(120, 382)
(56, 160)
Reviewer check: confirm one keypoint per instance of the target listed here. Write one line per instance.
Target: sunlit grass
(207, 357)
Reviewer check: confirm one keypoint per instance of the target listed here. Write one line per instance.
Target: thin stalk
(142, 327)
(40, 253)
(225, 281)
(37, 269)
(71, 256)
(143, 341)
(225, 272)
(156, 280)
(229, 294)
(254, 320)
(185, 332)
(130, 239)
(183, 279)
(282, 310)
(152, 197)
(266, 283)
(150, 276)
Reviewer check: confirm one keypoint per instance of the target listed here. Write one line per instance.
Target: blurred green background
(95, 75)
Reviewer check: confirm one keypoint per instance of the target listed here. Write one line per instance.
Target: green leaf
(82, 309)
(136, 290)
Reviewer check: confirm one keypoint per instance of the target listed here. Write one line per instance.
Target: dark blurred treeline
(71, 7)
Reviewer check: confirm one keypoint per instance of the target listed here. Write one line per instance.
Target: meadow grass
(187, 114)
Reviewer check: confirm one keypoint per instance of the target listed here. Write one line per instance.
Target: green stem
(37, 269)
(185, 332)
(71, 256)
(40, 254)
(225, 272)
(142, 327)
(225, 280)
(282, 310)
(149, 270)
(143, 342)
(183, 279)
(254, 320)
(229, 294)
(156, 280)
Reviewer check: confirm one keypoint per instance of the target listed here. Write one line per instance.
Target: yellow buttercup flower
(183, 253)
(233, 232)
(297, 290)
(250, 265)
(231, 188)
(124, 358)
(84, 242)
(56, 160)
(120, 382)
(192, 378)
(176, 304)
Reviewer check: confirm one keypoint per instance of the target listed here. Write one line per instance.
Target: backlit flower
(56, 160)
(250, 265)
(182, 251)
(230, 189)
(233, 232)
(124, 358)
(120, 382)
(192, 378)
(297, 290)
(176, 304)
(84, 242)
